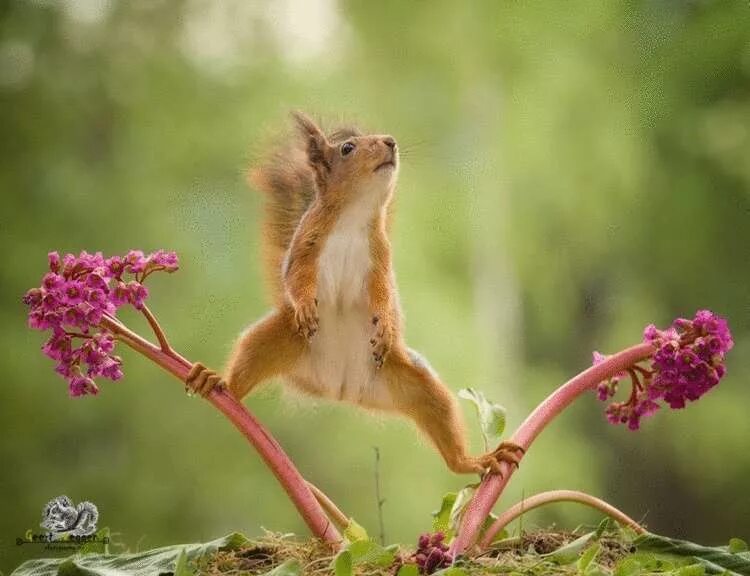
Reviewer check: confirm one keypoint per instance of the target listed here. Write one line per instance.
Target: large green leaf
(491, 416)
(716, 560)
(148, 563)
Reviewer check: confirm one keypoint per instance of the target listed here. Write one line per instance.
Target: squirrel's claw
(201, 380)
(380, 341)
(505, 452)
(306, 318)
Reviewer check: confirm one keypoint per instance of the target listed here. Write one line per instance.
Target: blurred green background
(573, 171)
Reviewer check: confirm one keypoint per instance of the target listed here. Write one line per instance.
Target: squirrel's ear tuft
(318, 148)
(306, 125)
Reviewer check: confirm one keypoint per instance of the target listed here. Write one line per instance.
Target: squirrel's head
(349, 162)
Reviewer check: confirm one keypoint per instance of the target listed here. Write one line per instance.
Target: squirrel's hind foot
(505, 452)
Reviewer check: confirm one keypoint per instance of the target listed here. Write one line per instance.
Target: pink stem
(493, 484)
(555, 496)
(273, 455)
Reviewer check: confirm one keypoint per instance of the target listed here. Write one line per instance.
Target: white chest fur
(345, 261)
(339, 364)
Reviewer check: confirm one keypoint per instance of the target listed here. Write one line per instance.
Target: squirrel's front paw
(201, 380)
(380, 341)
(306, 317)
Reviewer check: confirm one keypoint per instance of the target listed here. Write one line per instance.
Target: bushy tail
(287, 182)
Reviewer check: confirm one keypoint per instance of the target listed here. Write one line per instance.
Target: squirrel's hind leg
(268, 348)
(418, 392)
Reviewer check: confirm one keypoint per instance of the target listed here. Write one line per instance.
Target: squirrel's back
(288, 184)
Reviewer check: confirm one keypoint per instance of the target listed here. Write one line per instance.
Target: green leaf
(450, 571)
(289, 568)
(489, 521)
(354, 532)
(393, 549)
(568, 553)
(342, 564)
(602, 527)
(462, 499)
(627, 566)
(689, 570)
(588, 557)
(146, 563)
(597, 570)
(181, 566)
(408, 570)
(737, 545)
(442, 518)
(370, 552)
(654, 563)
(491, 416)
(715, 560)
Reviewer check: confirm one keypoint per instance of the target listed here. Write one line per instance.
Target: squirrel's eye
(347, 148)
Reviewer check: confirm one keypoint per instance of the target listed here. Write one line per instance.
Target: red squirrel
(335, 330)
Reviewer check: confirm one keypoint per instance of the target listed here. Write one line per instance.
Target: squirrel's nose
(390, 142)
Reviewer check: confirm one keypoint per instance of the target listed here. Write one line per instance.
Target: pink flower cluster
(74, 296)
(687, 363)
(432, 553)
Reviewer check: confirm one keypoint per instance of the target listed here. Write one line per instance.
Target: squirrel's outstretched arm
(418, 393)
(300, 272)
(381, 296)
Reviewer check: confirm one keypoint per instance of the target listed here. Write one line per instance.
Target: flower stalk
(161, 337)
(493, 484)
(79, 298)
(272, 453)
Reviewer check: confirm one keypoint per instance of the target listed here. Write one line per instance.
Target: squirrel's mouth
(386, 164)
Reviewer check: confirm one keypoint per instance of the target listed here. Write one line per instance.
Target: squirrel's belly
(339, 363)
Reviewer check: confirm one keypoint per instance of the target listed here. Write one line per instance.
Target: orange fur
(329, 261)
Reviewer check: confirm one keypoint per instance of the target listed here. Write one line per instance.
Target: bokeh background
(573, 171)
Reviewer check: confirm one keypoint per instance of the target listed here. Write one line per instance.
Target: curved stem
(556, 496)
(158, 332)
(493, 484)
(271, 452)
(333, 511)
